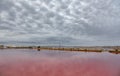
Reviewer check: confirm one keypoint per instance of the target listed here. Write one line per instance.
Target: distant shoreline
(111, 49)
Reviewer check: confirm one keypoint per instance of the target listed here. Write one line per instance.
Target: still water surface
(57, 63)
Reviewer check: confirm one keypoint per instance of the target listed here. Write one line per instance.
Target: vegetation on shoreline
(112, 49)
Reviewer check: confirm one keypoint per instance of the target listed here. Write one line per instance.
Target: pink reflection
(28, 63)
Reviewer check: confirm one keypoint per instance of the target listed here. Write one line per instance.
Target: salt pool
(57, 63)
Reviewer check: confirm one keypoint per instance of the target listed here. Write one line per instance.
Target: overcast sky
(65, 22)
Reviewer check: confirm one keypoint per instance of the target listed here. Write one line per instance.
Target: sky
(65, 22)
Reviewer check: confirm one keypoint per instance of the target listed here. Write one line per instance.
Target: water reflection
(58, 63)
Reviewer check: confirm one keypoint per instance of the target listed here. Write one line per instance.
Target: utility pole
(38, 48)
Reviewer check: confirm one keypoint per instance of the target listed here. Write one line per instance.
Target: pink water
(55, 63)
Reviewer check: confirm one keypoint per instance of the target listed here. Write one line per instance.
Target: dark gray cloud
(71, 22)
